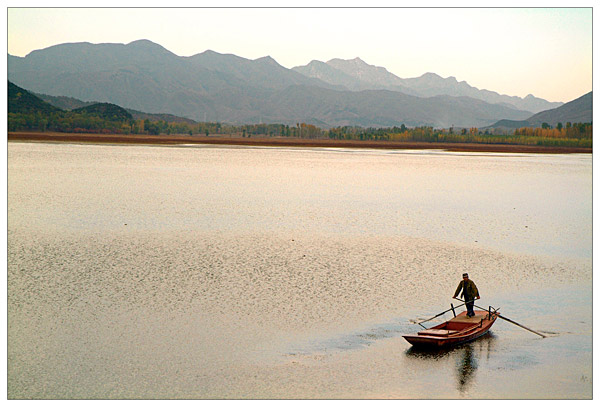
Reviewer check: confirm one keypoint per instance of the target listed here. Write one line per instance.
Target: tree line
(568, 135)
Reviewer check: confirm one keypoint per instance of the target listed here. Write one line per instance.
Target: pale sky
(515, 51)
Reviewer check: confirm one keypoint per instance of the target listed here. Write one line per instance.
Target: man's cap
(465, 275)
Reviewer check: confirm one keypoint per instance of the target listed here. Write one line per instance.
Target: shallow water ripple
(143, 272)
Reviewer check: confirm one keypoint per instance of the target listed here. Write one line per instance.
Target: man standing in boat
(469, 292)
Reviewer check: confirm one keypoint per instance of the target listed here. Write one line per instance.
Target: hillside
(63, 102)
(576, 111)
(169, 118)
(27, 111)
(106, 111)
(22, 101)
(68, 103)
(214, 87)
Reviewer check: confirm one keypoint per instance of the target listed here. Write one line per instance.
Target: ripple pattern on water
(213, 273)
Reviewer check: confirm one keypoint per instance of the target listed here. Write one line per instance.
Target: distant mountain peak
(147, 45)
(432, 75)
(356, 61)
(210, 52)
(143, 42)
(268, 60)
(357, 67)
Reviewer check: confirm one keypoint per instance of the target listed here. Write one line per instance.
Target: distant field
(287, 142)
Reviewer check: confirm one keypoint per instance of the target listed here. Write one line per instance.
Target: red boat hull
(456, 331)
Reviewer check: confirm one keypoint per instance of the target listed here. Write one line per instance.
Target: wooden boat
(459, 329)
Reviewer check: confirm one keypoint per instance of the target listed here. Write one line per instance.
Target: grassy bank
(289, 142)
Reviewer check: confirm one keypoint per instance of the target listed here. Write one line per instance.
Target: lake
(153, 272)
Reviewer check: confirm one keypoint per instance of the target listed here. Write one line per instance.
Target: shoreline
(288, 142)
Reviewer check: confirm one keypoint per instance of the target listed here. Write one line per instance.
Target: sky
(546, 52)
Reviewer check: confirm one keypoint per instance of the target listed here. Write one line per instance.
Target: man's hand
(478, 297)
(455, 297)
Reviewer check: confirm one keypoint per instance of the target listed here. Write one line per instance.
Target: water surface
(223, 272)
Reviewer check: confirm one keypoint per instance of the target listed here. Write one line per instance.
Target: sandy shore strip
(288, 142)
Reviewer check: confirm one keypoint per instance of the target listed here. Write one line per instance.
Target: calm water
(221, 272)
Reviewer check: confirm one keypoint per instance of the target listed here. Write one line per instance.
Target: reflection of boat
(464, 357)
(459, 329)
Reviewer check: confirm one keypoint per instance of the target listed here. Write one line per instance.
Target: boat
(455, 331)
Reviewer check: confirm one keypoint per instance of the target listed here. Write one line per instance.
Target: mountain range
(144, 76)
(579, 110)
(357, 75)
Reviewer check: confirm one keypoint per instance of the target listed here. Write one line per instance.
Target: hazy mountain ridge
(328, 74)
(209, 86)
(263, 72)
(429, 84)
(373, 108)
(579, 110)
(378, 77)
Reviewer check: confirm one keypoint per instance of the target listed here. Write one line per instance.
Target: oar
(506, 319)
(439, 315)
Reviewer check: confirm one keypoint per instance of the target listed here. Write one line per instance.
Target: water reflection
(466, 367)
(466, 358)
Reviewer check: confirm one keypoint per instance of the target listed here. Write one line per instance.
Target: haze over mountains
(357, 75)
(222, 87)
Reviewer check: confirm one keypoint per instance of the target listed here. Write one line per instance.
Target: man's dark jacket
(469, 289)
